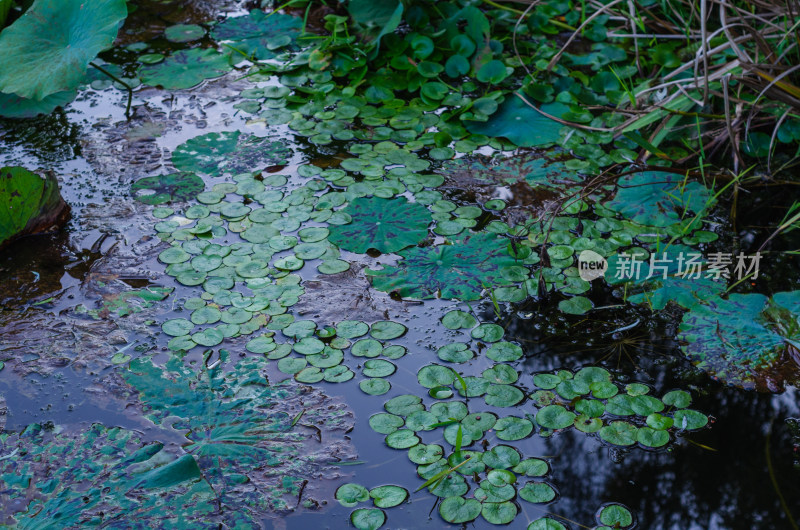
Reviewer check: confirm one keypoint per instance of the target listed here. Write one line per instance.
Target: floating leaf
(457, 271)
(186, 69)
(577, 305)
(649, 437)
(522, 124)
(499, 512)
(349, 495)
(435, 375)
(388, 496)
(656, 198)
(367, 518)
(258, 34)
(48, 49)
(545, 523)
(742, 339)
(619, 433)
(537, 492)
(232, 152)
(687, 419)
(384, 423)
(555, 417)
(387, 330)
(615, 516)
(387, 225)
(375, 387)
(184, 33)
(167, 188)
(458, 510)
(459, 320)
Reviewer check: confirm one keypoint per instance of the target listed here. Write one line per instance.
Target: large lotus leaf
(258, 34)
(186, 69)
(458, 271)
(29, 203)
(235, 424)
(14, 106)
(742, 339)
(655, 198)
(522, 124)
(387, 225)
(48, 49)
(167, 188)
(232, 152)
(54, 479)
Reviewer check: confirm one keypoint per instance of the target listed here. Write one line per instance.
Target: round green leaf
(619, 433)
(387, 330)
(555, 417)
(387, 225)
(459, 510)
(459, 320)
(388, 496)
(615, 516)
(367, 518)
(537, 492)
(349, 495)
(499, 512)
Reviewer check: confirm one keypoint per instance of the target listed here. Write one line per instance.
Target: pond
(288, 298)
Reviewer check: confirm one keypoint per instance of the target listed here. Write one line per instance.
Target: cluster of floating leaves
(242, 243)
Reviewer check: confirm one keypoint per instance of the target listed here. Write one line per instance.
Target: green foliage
(186, 69)
(523, 125)
(76, 31)
(659, 198)
(229, 152)
(14, 106)
(742, 339)
(455, 271)
(387, 225)
(257, 34)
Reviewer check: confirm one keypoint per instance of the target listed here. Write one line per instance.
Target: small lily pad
(184, 33)
(537, 492)
(555, 417)
(459, 510)
(619, 433)
(459, 320)
(387, 330)
(388, 496)
(350, 495)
